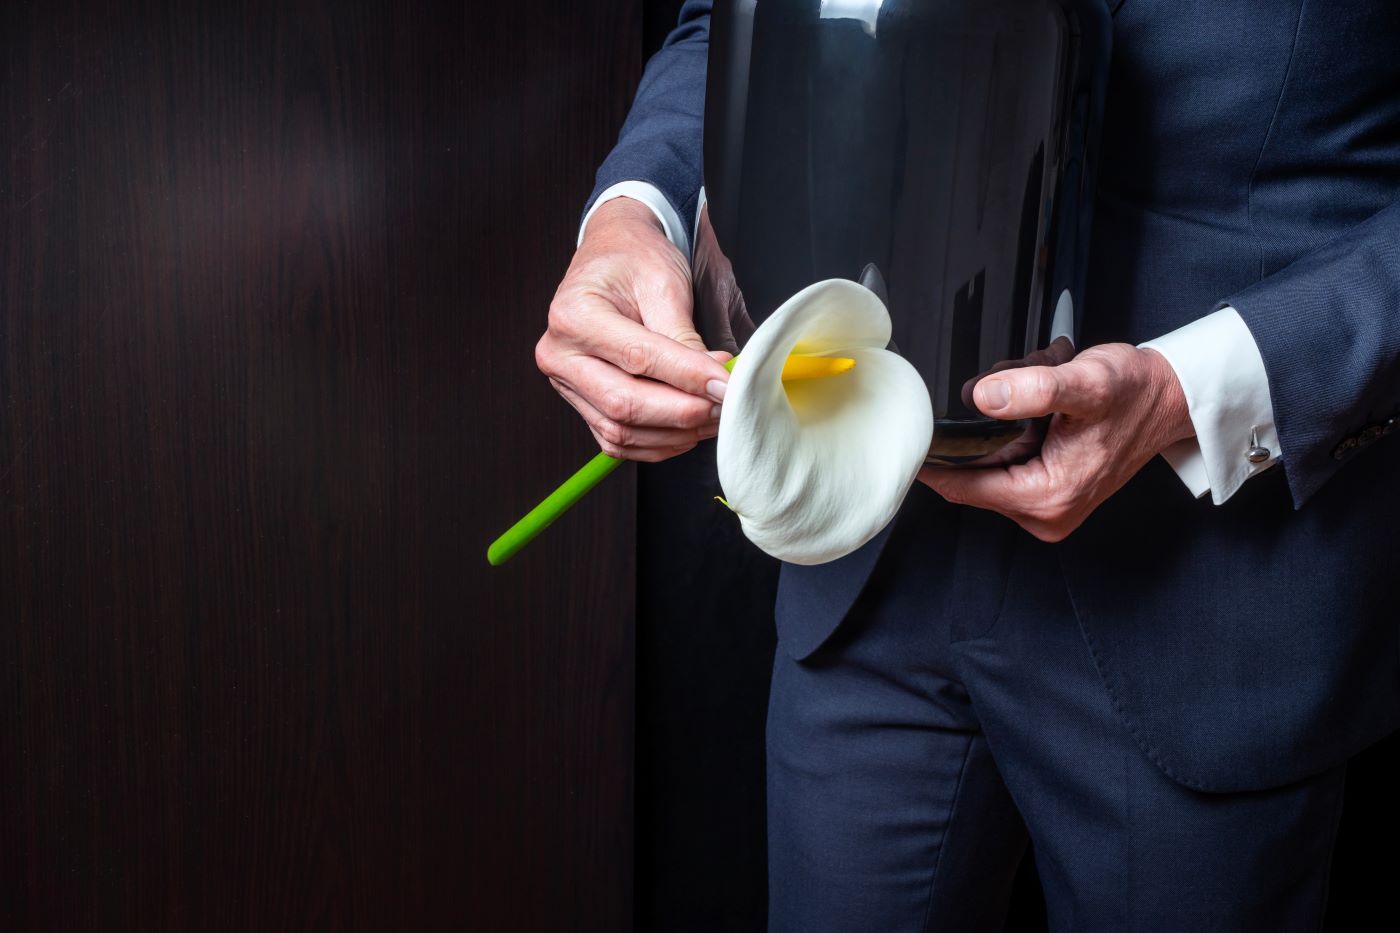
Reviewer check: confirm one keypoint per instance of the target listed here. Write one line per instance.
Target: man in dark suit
(1159, 693)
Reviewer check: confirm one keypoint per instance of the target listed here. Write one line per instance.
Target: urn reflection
(941, 153)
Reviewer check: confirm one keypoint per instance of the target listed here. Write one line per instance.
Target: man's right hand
(621, 345)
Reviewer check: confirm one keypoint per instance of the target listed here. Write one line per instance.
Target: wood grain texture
(271, 275)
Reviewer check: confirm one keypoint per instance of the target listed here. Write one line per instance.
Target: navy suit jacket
(1251, 157)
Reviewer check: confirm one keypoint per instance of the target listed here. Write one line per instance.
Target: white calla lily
(816, 467)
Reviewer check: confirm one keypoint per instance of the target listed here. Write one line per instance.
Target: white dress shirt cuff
(652, 197)
(1227, 394)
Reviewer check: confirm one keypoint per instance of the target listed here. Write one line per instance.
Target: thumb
(667, 308)
(1033, 391)
(692, 340)
(684, 334)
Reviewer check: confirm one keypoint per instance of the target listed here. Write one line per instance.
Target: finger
(643, 454)
(985, 488)
(1014, 491)
(636, 350)
(613, 436)
(1059, 351)
(966, 392)
(632, 401)
(1074, 388)
(650, 454)
(991, 492)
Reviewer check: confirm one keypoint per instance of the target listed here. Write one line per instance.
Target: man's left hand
(1114, 407)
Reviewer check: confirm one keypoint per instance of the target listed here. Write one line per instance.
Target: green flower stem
(556, 503)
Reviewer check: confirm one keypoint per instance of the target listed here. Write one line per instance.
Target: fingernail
(996, 394)
(714, 412)
(715, 389)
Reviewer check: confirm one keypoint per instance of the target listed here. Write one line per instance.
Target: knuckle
(1097, 392)
(1044, 525)
(619, 406)
(612, 432)
(1102, 370)
(637, 357)
(1096, 384)
(544, 356)
(1044, 387)
(676, 292)
(1059, 505)
(692, 414)
(561, 317)
(1046, 510)
(688, 336)
(666, 281)
(608, 447)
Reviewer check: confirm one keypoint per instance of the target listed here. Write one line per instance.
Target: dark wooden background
(271, 274)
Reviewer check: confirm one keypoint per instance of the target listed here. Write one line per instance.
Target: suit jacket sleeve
(1328, 329)
(661, 139)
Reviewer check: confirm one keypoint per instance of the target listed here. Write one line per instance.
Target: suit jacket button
(1341, 449)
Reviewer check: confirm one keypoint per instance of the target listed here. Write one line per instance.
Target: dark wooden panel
(270, 279)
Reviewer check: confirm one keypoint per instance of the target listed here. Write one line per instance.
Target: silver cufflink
(1255, 453)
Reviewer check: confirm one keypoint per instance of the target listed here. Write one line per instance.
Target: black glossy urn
(942, 152)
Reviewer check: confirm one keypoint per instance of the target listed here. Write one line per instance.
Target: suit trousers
(955, 718)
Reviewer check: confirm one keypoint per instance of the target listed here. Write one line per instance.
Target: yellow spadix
(805, 366)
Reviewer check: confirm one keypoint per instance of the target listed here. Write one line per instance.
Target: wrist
(621, 211)
(1170, 410)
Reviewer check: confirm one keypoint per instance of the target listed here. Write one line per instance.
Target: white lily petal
(816, 468)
